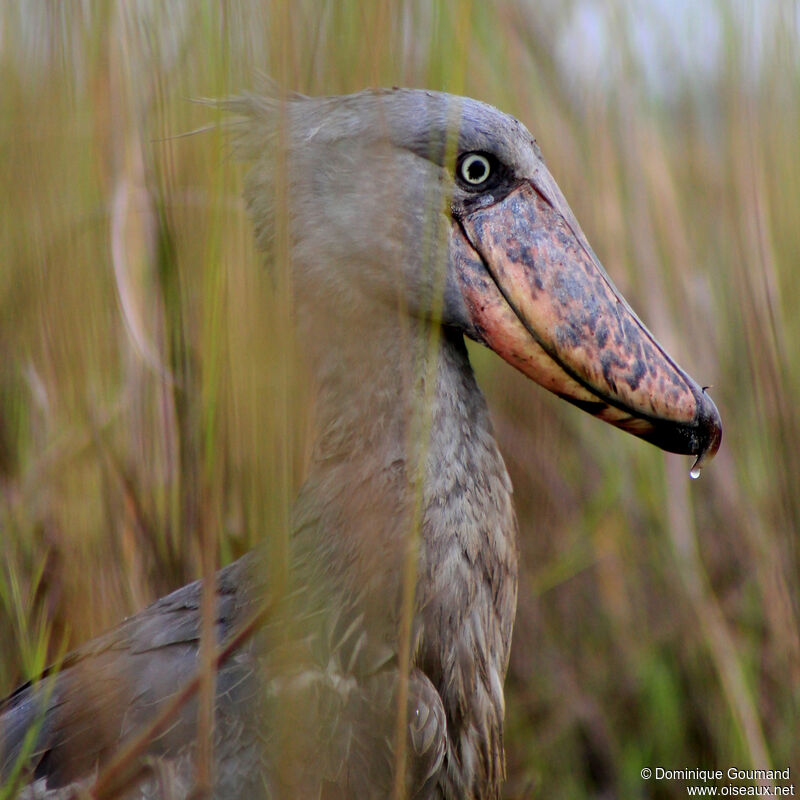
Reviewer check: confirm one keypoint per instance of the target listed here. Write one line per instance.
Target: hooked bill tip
(711, 425)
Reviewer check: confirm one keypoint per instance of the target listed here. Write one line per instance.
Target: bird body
(414, 219)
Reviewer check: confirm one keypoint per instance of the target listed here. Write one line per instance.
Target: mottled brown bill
(539, 297)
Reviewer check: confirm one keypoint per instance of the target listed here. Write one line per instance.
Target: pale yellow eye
(475, 169)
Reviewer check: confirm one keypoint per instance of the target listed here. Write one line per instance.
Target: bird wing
(74, 717)
(339, 726)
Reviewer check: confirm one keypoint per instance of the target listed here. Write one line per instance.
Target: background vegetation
(149, 399)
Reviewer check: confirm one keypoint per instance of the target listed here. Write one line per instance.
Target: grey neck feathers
(405, 454)
(403, 434)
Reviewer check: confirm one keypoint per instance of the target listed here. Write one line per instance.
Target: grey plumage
(389, 274)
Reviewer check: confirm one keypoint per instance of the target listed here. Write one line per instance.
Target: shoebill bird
(415, 219)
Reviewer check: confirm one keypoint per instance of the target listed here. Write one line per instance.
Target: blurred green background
(148, 393)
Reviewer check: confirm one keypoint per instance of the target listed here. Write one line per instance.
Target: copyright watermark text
(732, 782)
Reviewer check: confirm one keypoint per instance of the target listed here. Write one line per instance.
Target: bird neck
(387, 398)
(405, 458)
(401, 429)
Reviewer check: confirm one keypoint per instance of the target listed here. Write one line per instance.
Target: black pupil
(477, 170)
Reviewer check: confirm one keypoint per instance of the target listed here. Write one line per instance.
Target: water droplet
(699, 463)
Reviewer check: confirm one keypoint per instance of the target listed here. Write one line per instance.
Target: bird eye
(475, 169)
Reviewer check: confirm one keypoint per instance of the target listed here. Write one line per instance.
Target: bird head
(441, 209)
